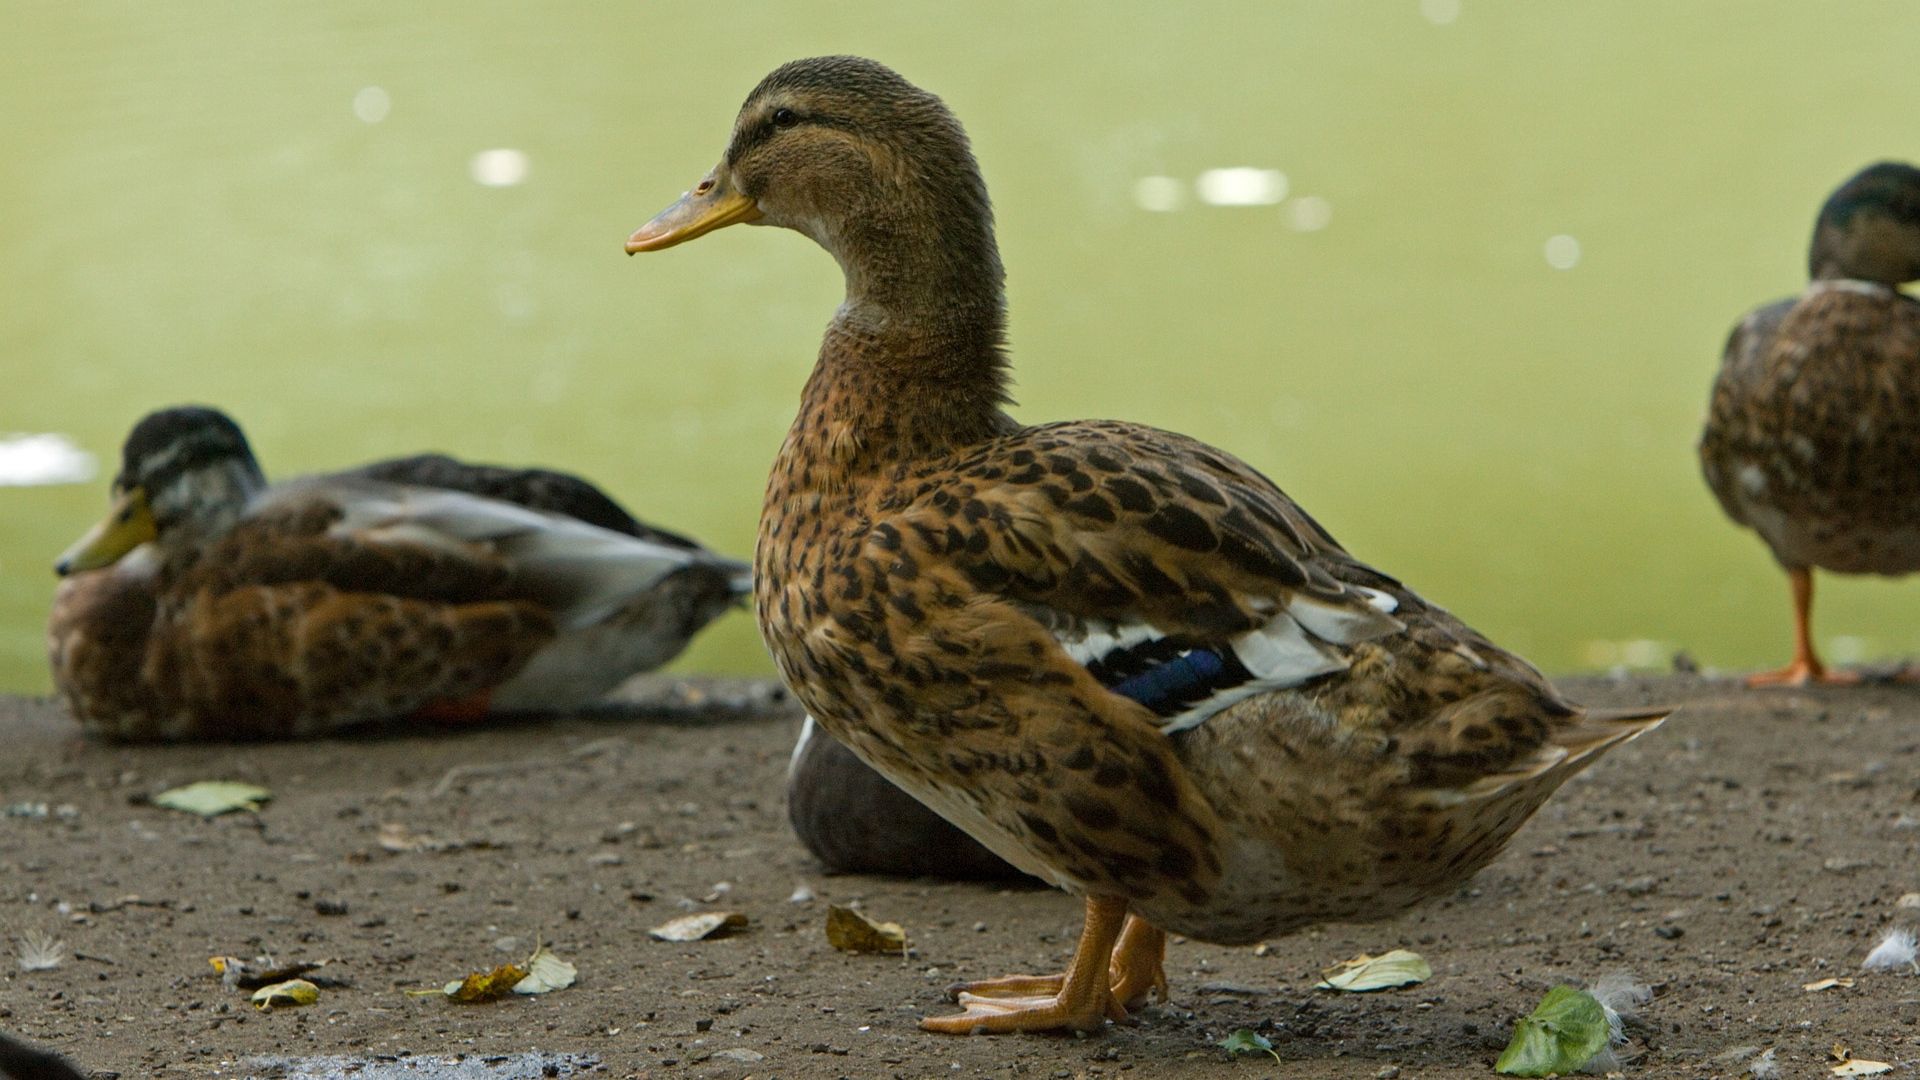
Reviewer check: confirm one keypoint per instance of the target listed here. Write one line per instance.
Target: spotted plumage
(1123, 660)
(210, 605)
(1814, 425)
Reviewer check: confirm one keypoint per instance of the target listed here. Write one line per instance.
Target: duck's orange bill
(712, 204)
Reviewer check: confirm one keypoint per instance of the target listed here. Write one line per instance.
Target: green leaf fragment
(1247, 1041)
(211, 798)
(1568, 1030)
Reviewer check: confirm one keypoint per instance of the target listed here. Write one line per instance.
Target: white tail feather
(1344, 624)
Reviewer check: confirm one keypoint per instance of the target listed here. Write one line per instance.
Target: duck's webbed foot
(1081, 999)
(1804, 671)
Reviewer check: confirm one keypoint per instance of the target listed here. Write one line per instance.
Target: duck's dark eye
(785, 118)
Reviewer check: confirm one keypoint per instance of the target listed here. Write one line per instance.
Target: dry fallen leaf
(707, 924)
(211, 798)
(397, 838)
(1827, 984)
(1384, 972)
(291, 992)
(850, 931)
(1853, 1066)
(488, 986)
(541, 973)
(545, 973)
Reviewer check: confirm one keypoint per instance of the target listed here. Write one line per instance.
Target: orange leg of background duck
(1806, 666)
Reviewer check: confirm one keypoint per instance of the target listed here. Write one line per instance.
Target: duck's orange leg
(1138, 968)
(1806, 667)
(1079, 1000)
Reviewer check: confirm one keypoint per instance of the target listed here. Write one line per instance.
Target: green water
(193, 210)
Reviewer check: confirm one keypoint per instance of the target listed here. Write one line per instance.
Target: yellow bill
(712, 204)
(128, 525)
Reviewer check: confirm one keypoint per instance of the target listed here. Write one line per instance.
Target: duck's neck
(204, 504)
(1865, 247)
(913, 363)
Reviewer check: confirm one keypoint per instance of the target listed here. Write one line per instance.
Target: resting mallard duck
(209, 605)
(1122, 659)
(1814, 430)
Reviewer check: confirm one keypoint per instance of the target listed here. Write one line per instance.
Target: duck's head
(185, 473)
(873, 168)
(1869, 229)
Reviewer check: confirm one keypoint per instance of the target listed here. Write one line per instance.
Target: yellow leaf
(708, 924)
(850, 931)
(1384, 972)
(491, 986)
(291, 992)
(1827, 984)
(1861, 1067)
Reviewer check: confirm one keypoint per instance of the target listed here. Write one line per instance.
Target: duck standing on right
(1813, 435)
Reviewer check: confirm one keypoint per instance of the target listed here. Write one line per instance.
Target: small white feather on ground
(1895, 952)
(1620, 996)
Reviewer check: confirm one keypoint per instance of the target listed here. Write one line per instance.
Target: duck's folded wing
(446, 544)
(1177, 575)
(535, 489)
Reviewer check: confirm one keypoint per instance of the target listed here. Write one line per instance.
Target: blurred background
(1455, 273)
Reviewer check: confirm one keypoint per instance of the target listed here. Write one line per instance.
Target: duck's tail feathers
(1600, 730)
(740, 582)
(1572, 747)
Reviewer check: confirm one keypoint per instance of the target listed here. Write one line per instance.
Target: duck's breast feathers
(1811, 415)
(1177, 575)
(432, 543)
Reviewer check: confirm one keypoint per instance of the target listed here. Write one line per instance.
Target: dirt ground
(1758, 842)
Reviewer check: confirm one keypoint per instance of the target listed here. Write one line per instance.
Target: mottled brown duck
(1122, 659)
(1812, 439)
(209, 605)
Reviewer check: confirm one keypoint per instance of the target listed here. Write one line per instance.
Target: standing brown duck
(1813, 437)
(1120, 658)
